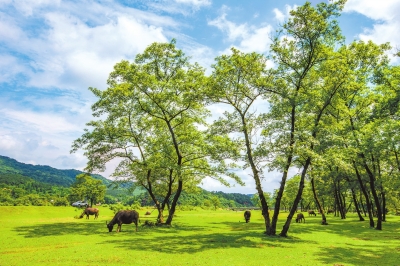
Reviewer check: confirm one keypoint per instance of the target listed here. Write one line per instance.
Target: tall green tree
(305, 90)
(153, 114)
(89, 188)
(240, 80)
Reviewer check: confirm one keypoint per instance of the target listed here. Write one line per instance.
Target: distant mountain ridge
(42, 173)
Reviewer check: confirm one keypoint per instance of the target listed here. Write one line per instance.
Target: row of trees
(18, 190)
(328, 108)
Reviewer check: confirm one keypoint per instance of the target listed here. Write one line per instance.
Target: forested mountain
(20, 181)
(42, 173)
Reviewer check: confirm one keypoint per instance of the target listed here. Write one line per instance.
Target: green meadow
(52, 236)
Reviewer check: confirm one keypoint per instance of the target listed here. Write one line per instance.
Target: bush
(186, 207)
(60, 201)
(118, 207)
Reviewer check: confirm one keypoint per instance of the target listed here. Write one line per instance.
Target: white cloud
(247, 38)
(184, 7)
(46, 122)
(279, 16)
(30, 147)
(232, 30)
(10, 67)
(73, 52)
(258, 41)
(385, 13)
(282, 16)
(27, 7)
(196, 3)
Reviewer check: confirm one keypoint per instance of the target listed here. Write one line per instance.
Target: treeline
(17, 190)
(199, 198)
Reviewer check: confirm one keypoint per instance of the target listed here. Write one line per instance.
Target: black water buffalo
(311, 212)
(90, 211)
(300, 217)
(123, 217)
(247, 215)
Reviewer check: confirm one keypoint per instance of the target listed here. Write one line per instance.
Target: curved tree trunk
(321, 210)
(369, 208)
(353, 194)
(174, 202)
(272, 229)
(264, 204)
(296, 202)
(373, 192)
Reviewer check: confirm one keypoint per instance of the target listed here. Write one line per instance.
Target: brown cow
(90, 211)
(123, 217)
(300, 217)
(247, 215)
(311, 212)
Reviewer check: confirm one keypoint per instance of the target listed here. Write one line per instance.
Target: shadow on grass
(180, 238)
(94, 228)
(199, 242)
(356, 255)
(56, 229)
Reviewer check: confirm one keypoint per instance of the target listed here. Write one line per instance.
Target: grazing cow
(300, 217)
(330, 211)
(311, 212)
(247, 215)
(123, 217)
(90, 211)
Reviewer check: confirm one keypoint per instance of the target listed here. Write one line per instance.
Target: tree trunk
(369, 209)
(293, 209)
(255, 171)
(167, 197)
(174, 202)
(383, 206)
(362, 204)
(320, 208)
(337, 207)
(353, 194)
(374, 194)
(342, 205)
(272, 229)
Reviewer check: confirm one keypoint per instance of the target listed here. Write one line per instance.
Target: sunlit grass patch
(51, 235)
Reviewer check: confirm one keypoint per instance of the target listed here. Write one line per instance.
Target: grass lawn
(52, 236)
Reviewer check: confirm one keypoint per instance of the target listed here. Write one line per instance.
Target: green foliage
(256, 199)
(119, 207)
(61, 201)
(86, 187)
(16, 189)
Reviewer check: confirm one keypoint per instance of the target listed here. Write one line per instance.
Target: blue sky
(51, 51)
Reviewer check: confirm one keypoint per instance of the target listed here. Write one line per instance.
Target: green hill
(42, 173)
(46, 179)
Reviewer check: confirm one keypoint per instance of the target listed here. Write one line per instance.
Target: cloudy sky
(51, 51)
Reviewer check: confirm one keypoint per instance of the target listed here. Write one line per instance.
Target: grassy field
(52, 236)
